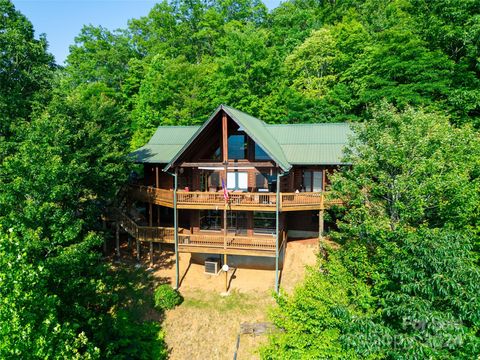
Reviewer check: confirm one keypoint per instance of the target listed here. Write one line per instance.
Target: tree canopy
(405, 281)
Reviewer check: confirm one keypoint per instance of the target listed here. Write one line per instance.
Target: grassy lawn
(206, 325)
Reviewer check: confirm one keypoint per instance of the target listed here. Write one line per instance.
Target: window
(264, 222)
(260, 154)
(213, 180)
(217, 155)
(261, 181)
(209, 181)
(237, 147)
(237, 180)
(313, 181)
(210, 220)
(237, 222)
(266, 181)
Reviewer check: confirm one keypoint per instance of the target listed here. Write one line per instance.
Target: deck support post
(117, 239)
(151, 253)
(225, 162)
(226, 273)
(129, 239)
(175, 227)
(320, 223)
(150, 223)
(137, 241)
(277, 228)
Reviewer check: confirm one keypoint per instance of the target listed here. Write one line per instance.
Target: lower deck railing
(185, 239)
(228, 242)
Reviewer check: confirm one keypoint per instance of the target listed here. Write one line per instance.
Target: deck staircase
(121, 213)
(144, 233)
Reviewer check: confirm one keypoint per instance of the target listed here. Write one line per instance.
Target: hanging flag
(225, 191)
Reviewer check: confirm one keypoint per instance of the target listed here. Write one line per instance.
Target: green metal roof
(312, 144)
(164, 144)
(287, 144)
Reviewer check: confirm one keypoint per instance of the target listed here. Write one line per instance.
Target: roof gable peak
(253, 127)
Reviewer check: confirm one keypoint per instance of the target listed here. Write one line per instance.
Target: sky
(62, 20)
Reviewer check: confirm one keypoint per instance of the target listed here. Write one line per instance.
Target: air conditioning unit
(212, 266)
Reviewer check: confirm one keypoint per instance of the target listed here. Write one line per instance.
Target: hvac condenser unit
(212, 266)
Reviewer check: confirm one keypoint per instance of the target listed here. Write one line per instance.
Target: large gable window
(260, 154)
(237, 146)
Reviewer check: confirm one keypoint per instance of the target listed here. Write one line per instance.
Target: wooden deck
(211, 243)
(257, 201)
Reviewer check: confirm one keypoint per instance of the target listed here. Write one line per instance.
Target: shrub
(166, 297)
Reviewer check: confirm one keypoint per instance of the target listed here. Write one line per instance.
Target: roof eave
(194, 136)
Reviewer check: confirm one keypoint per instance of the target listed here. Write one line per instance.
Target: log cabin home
(233, 189)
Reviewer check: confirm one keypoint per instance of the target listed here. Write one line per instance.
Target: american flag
(225, 191)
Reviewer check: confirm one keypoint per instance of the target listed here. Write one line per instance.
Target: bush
(167, 298)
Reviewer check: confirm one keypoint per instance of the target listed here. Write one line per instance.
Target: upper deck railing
(236, 200)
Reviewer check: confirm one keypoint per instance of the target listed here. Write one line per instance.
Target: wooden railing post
(137, 240)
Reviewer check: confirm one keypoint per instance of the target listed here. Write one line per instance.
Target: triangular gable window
(260, 154)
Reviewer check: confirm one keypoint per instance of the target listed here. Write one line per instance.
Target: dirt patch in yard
(206, 325)
(299, 254)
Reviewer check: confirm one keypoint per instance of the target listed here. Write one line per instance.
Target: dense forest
(405, 281)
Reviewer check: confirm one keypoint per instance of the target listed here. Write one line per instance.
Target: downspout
(277, 226)
(175, 224)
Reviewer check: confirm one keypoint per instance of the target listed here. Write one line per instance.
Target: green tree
(174, 92)
(30, 323)
(66, 170)
(408, 234)
(100, 55)
(311, 321)
(412, 200)
(25, 69)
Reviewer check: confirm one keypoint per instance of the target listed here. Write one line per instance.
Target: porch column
(150, 223)
(320, 224)
(277, 228)
(158, 224)
(225, 162)
(320, 218)
(175, 227)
